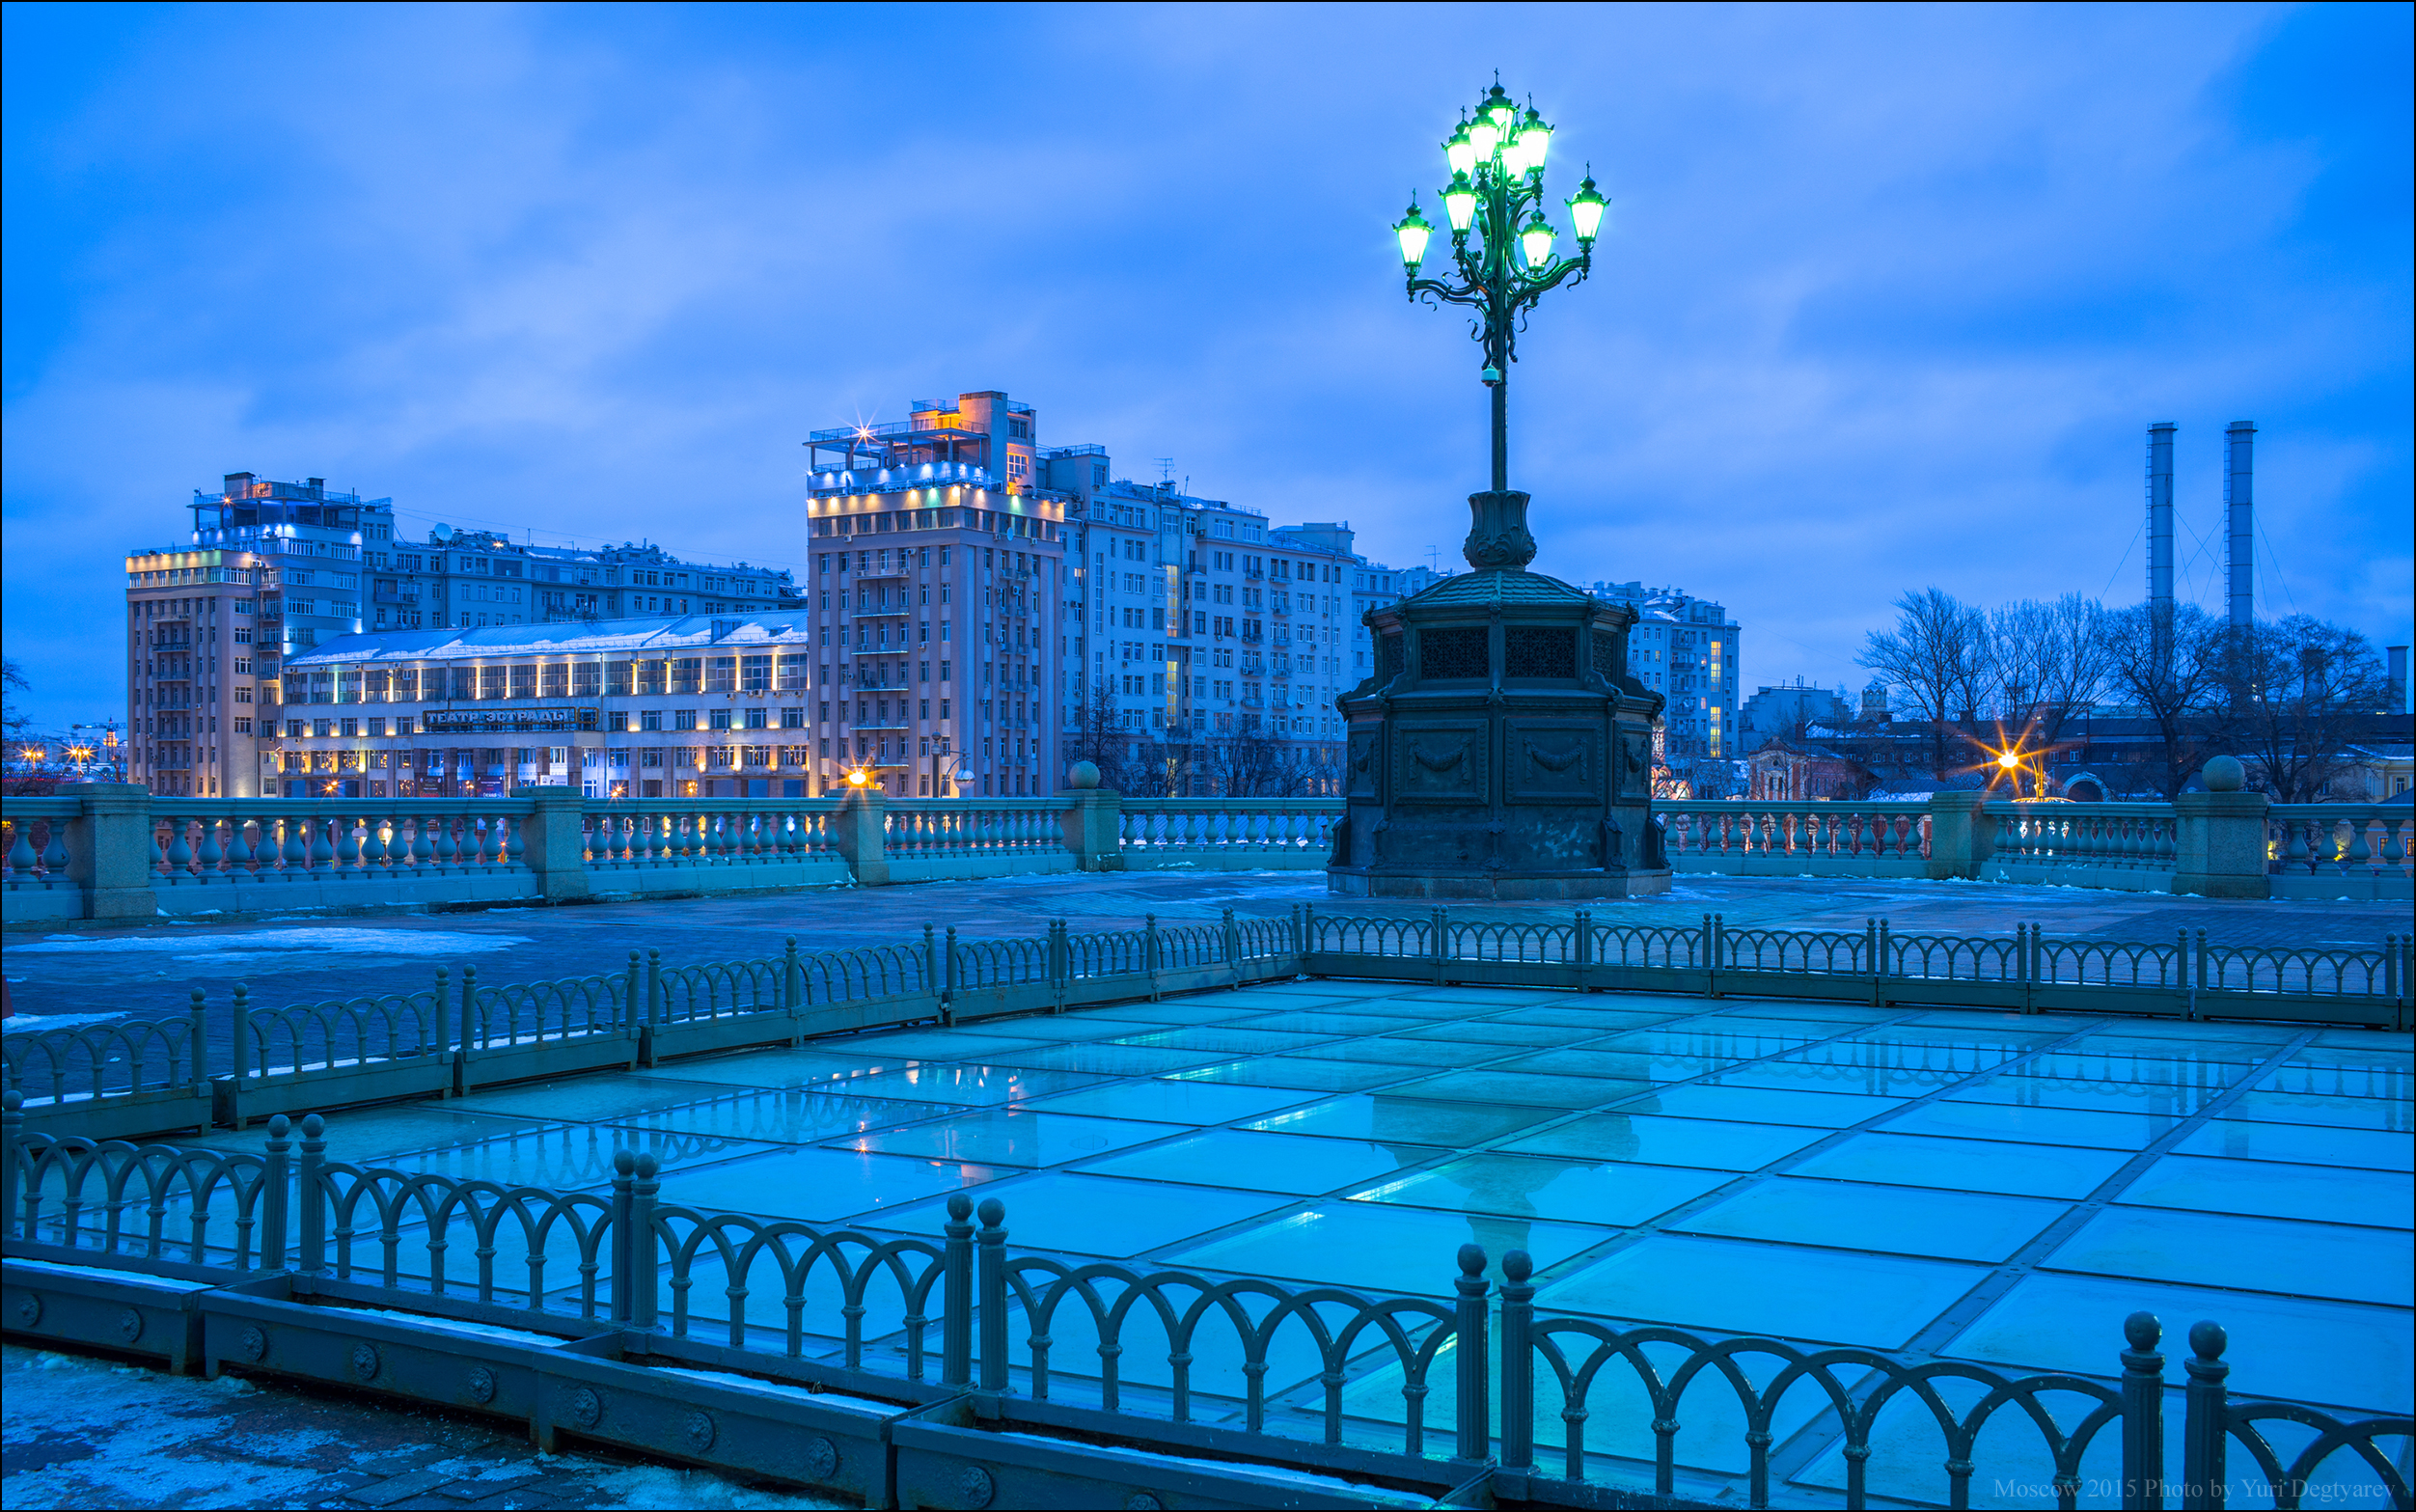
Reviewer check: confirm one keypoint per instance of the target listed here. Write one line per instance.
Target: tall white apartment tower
(271, 568)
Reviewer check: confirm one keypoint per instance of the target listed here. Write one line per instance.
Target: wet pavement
(88, 1432)
(1953, 1185)
(1978, 1186)
(61, 976)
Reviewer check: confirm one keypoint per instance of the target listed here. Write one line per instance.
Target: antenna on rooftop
(1165, 469)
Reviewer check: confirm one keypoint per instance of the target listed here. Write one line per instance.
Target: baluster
(180, 855)
(374, 852)
(2358, 859)
(293, 852)
(21, 856)
(2393, 854)
(208, 856)
(2294, 856)
(443, 849)
(349, 858)
(515, 844)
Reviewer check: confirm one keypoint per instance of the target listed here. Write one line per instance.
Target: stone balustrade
(1750, 838)
(106, 851)
(2354, 850)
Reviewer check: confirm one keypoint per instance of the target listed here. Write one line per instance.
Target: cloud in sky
(1888, 296)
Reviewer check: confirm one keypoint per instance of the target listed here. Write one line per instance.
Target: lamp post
(1501, 240)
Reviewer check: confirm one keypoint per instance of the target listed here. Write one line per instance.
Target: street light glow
(1413, 231)
(1502, 240)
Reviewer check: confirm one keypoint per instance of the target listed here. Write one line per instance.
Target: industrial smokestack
(2239, 553)
(2161, 514)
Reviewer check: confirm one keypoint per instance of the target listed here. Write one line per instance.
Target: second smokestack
(2240, 554)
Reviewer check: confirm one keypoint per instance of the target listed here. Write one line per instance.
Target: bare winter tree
(12, 713)
(1100, 736)
(2170, 661)
(2049, 659)
(2297, 691)
(1251, 763)
(1938, 661)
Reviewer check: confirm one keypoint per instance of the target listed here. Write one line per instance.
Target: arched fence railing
(236, 1063)
(1469, 1387)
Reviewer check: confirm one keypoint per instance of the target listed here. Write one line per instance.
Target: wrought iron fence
(147, 1076)
(1471, 1387)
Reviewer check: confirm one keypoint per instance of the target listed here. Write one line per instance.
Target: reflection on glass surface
(825, 1184)
(1626, 1136)
(1915, 1159)
(1832, 1296)
(1536, 1186)
(1013, 1136)
(1098, 1214)
(1407, 1121)
(1296, 1163)
(2321, 1194)
(1948, 1226)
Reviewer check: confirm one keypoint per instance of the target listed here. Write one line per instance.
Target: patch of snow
(1350, 1490)
(761, 1387)
(33, 1023)
(659, 1486)
(251, 944)
(101, 1271)
(458, 1326)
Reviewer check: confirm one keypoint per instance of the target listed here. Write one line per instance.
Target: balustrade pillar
(553, 845)
(109, 848)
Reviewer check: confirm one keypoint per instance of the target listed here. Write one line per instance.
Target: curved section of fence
(1467, 1386)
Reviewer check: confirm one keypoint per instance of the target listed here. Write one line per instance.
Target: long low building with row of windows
(702, 707)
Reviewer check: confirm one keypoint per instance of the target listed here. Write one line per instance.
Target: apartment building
(1200, 634)
(934, 603)
(466, 579)
(1686, 648)
(274, 569)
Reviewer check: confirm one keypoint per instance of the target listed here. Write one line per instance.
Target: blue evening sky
(1887, 296)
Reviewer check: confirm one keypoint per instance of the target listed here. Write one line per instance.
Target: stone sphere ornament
(2225, 775)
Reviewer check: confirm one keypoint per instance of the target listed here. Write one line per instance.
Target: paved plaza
(59, 975)
(1963, 1185)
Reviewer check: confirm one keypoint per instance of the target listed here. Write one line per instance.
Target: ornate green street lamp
(1502, 244)
(1499, 748)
